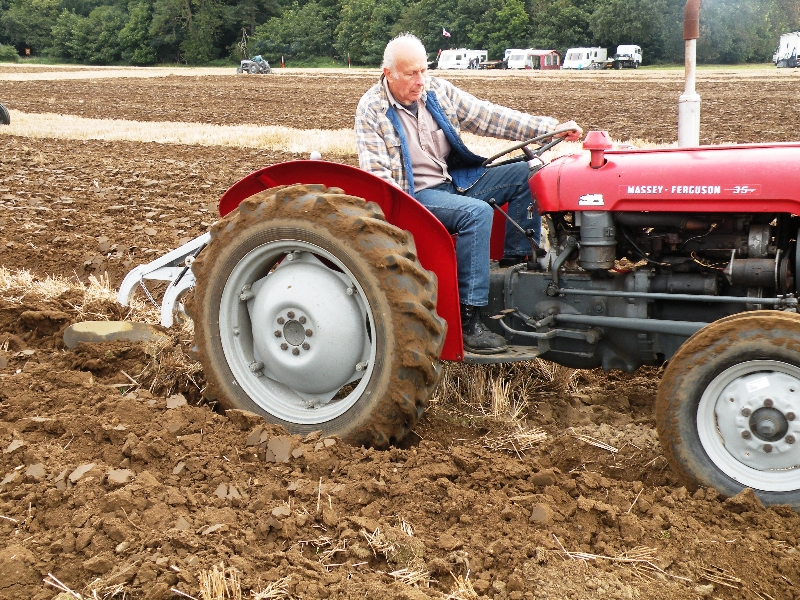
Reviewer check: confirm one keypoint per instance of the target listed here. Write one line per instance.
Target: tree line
(147, 32)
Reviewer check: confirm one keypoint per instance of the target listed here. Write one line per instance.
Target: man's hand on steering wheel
(574, 134)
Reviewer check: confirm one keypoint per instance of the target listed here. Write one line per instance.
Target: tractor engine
(647, 247)
(625, 289)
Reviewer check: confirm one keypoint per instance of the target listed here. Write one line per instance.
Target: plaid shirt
(379, 150)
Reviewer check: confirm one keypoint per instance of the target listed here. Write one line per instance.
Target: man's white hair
(405, 45)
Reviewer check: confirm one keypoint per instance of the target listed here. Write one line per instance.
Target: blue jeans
(470, 217)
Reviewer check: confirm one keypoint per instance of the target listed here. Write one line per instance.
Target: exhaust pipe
(689, 102)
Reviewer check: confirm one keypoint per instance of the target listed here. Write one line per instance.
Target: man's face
(407, 80)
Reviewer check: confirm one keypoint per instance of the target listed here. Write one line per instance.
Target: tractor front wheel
(313, 311)
(728, 407)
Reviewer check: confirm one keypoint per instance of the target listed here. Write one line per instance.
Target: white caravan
(461, 59)
(585, 58)
(788, 47)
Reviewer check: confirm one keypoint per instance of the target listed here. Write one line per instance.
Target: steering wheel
(529, 154)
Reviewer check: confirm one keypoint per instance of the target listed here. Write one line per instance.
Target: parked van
(461, 58)
(585, 58)
(628, 57)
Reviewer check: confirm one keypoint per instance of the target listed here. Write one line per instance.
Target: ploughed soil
(748, 105)
(117, 479)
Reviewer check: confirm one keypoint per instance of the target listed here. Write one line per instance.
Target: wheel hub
(294, 333)
(769, 424)
(307, 326)
(755, 416)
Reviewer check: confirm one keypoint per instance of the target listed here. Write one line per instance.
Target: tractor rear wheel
(728, 407)
(5, 117)
(254, 69)
(313, 311)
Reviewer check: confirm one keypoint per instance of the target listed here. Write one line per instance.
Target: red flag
(445, 33)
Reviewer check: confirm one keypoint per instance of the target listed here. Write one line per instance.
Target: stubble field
(113, 485)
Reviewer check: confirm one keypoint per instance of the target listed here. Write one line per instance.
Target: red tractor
(326, 299)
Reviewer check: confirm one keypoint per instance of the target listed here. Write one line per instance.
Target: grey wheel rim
(297, 331)
(747, 422)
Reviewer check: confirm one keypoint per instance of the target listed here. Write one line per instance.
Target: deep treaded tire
(5, 117)
(313, 311)
(728, 407)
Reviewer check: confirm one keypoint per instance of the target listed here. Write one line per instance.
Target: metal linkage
(788, 301)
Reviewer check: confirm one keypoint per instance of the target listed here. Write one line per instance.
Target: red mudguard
(435, 247)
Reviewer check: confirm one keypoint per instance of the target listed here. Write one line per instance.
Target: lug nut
(790, 416)
(281, 320)
(746, 435)
(309, 333)
(789, 439)
(768, 403)
(302, 320)
(290, 314)
(246, 294)
(746, 412)
(277, 333)
(306, 346)
(295, 351)
(767, 448)
(284, 346)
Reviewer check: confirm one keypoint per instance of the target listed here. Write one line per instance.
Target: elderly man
(407, 132)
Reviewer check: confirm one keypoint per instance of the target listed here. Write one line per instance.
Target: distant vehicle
(462, 58)
(493, 64)
(627, 57)
(534, 59)
(585, 58)
(786, 54)
(257, 65)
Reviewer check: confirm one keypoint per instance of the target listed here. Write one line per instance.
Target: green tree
(561, 24)
(83, 7)
(28, 23)
(134, 38)
(640, 22)
(63, 40)
(203, 25)
(735, 31)
(505, 24)
(427, 18)
(365, 26)
(93, 39)
(167, 29)
(249, 13)
(300, 32)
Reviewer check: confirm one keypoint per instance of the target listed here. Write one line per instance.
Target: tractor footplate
(512, 354)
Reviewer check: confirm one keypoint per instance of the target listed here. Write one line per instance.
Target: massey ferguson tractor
(326, 298)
